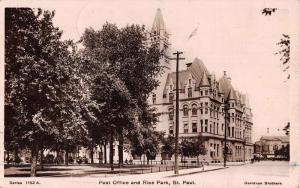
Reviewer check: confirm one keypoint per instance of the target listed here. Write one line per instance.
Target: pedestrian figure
(126, 161)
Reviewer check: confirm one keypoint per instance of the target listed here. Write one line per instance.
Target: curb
(196, 172)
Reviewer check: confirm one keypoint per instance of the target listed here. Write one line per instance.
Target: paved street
(93, 170)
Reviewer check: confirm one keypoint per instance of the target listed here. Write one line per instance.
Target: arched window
(194, 110)
(185, 110)
(171, 114)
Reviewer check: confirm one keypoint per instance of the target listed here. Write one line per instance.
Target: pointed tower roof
(221, 89)
(158, 23)
(231, 95)
(225, 85)
(204, 80)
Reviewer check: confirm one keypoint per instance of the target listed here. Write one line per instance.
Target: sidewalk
(170, 174)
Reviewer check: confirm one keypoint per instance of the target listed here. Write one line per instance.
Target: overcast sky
(232, 36)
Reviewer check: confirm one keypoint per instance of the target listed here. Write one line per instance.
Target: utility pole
(177, 109)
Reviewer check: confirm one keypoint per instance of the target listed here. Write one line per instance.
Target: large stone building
(203, 102)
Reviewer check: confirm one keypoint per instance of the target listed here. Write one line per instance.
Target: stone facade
(202, 102)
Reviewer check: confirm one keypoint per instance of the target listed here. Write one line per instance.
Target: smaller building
(272, 146)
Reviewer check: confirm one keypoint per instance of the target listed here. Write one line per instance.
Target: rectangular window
(194, 127)
(190, 92)
(210, 128)
(201, 111)
(217, 128)
(185, 128)
(206, 103)
(201, 93)
(201, 104)
(171, 97)
(206, 110)
(171, 129)
(206, 92)
(214, 128)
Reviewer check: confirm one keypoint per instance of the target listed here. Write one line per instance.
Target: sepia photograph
(150, 93)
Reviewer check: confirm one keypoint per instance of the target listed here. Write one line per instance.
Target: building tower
(158, 35)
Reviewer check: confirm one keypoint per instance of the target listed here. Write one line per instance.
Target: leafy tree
(126, 57)
(287, 129)
(168, 146)
(283, 151)
(41, 85)
(284, 44)
(268, 11)
(193, 148)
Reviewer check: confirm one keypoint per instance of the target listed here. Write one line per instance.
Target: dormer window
(190, 94)
(190, 82)
(171, 88)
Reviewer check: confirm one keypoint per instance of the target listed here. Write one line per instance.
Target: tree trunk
(15, 155)
(111, 151)
(42, 158)
(121, 143)
(92, 155)
(34, 157)
(100, 153)
(105, 158)
(67, 158)
(7, 156)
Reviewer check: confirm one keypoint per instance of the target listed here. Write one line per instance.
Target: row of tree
(59, 97)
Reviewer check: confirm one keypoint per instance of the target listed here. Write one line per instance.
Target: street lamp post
(225, 134)
(177, 109)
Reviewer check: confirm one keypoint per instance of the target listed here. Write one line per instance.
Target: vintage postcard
(192, 93)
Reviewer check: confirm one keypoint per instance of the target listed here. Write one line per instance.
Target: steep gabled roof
(183, 76)
(197, 70)
(232, 95)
